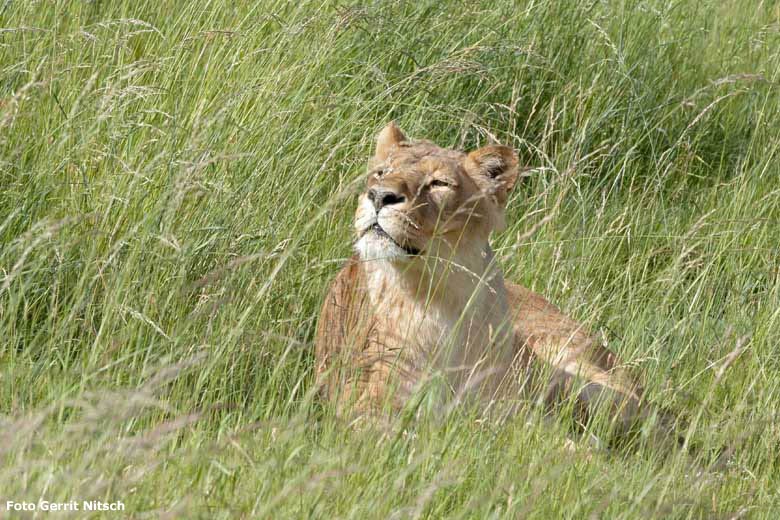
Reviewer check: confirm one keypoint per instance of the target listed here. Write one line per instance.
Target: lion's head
(421, 199)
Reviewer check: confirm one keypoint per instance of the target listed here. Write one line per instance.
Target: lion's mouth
(376, 228)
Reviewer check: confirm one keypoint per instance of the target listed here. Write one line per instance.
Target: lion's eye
(379, 173)
(439, 183)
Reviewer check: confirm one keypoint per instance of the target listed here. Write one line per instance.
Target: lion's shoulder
(343, 310)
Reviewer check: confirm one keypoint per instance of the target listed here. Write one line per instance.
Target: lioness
(423, 302)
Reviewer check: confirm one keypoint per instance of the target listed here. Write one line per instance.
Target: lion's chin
(372, 246)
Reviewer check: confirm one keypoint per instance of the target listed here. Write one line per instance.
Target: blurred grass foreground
(177, 182)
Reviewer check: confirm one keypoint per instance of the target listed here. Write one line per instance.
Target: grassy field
(177, 183)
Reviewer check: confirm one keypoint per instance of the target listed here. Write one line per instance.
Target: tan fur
(444, 318)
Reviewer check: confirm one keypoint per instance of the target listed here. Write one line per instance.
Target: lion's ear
(389, 137)
(494, 169)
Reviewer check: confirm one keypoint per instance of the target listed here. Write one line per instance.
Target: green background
(177, 182)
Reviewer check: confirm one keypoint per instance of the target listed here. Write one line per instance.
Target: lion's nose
(382, 197)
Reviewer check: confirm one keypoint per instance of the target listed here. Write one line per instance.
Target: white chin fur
(373, 247)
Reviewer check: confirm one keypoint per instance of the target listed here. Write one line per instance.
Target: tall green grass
(177, 181)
